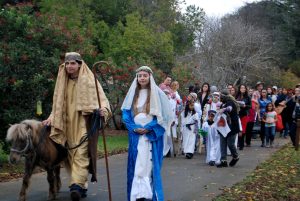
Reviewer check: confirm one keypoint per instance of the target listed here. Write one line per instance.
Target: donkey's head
(21, 138)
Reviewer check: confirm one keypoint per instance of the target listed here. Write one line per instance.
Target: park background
(258, 42)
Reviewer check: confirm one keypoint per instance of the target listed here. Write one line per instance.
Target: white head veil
(159, 102)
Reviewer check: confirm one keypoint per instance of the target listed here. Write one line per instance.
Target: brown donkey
(31, 140)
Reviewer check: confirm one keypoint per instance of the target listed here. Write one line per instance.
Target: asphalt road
(183, 179)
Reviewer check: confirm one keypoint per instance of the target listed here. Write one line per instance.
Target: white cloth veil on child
(159, 102)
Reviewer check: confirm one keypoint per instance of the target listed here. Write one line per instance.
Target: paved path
(183, 179)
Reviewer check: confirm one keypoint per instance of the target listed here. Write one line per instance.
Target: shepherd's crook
(98, 64)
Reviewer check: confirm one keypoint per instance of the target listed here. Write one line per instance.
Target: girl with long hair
(203, 95)
(147, 115)
(245, 103)
(263, 101)
(270, 119)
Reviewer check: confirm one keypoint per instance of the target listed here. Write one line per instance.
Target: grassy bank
(115, 144)
(278, 178)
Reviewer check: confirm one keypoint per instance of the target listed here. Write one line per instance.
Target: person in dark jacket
(203, 95)
(288, 112)
(231, 108)
(295, 116)
(245, 104)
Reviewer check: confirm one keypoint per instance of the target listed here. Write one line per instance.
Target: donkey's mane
(20, 130)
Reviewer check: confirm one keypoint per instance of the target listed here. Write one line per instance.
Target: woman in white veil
(147, 115)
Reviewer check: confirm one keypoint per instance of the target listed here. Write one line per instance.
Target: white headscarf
(159, 102)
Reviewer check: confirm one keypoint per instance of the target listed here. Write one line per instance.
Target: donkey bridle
(28, 146)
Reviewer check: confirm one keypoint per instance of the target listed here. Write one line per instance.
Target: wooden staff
(98, 64)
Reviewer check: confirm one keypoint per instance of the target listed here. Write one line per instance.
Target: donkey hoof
(51, 197)
(22, 198)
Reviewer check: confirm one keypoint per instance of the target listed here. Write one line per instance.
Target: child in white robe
(189, 129)
(213, 152)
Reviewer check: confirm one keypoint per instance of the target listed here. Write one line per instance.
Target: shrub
(31, 50)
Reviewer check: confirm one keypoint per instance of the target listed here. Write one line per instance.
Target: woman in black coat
(203, 95)
(245, 104)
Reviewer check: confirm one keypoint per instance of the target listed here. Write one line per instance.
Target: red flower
(94, 54)
(29, 37)
(37, 14)
(24, 58)
(2, 21)
(12, 81)
(6, 59)
(46, 93)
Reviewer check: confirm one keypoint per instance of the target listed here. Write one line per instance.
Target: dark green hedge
(31, 48)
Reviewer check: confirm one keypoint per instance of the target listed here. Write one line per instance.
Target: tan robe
(75, 131)
(73, 102)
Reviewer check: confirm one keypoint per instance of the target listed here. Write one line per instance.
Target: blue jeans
(270, 134)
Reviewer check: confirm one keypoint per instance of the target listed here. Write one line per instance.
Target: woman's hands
(141, 131)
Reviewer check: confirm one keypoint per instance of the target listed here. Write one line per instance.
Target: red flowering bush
(116, 81)
(184, 75)
(32, 47)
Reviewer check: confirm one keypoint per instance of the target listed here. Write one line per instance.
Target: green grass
(114, 144)
(8, 171)
(278, 178)
(3, 155)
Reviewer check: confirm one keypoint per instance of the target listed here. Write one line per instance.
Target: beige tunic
(75, 131)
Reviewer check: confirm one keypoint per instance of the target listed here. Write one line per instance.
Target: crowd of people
(223, 120)
(153, 115)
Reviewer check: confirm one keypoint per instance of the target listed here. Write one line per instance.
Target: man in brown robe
(74, 101)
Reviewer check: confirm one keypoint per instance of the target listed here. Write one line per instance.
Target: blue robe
(156, 138)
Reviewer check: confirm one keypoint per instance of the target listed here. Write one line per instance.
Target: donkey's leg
(29, 166)
(51, 181)
(57, 178)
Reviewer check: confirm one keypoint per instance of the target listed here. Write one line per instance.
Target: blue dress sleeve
(128, 120)
(155, 130)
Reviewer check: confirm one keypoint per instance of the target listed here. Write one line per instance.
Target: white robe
(189, 136)
(199, 112)
(168, 145)
(176, 108)
(213, 151)
(141, 184)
